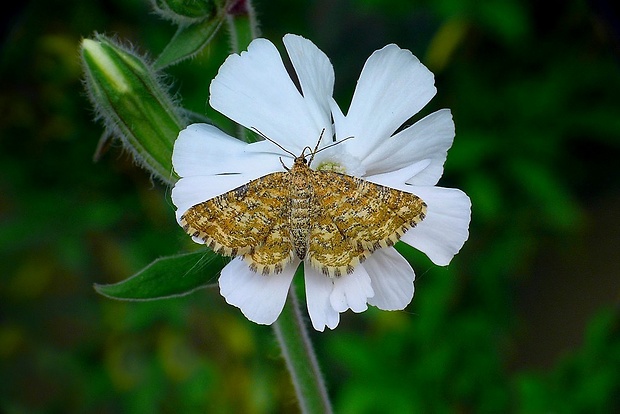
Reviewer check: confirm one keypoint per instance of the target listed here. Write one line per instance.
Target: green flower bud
(132, 103)
(184, 11)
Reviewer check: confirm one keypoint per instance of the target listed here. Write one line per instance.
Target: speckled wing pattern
(348, 218)
(248, 221)
(355, 217)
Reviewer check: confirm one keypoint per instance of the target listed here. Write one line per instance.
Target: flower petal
(255, 90)
(398, 178)
(260, 297)
(203, 149)
(352, 291)
(318, 291)
(316, 78)
(392, 279)
(445, 228)
(428, 139)
(392, 87)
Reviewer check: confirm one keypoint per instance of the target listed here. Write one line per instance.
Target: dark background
(525, 318)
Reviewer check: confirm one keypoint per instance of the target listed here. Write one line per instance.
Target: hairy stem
(300, 359)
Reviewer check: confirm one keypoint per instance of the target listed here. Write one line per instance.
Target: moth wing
(241, 221)
(275, 252)
(329, 251)
(362, 217)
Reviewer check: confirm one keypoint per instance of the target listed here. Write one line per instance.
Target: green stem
(300, 358)
(242, 24)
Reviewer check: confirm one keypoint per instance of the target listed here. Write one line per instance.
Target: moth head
(301, 160)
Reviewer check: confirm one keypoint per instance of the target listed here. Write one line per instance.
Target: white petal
(428, 139)
(203, 149)
(446, 226)
(255, 90)
(352, 291)
(339, 119)
(316, 77)
(398, 178)
(392, 87)
(318, 290)
(260, 297)
(392, 279)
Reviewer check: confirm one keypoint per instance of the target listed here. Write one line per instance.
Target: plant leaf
(188, 41)
(168, 277)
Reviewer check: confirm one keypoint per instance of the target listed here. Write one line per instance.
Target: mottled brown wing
(245, 221)
(329, 251)
(275, 252)
(367, 216)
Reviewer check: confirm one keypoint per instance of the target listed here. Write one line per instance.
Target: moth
(332, 221)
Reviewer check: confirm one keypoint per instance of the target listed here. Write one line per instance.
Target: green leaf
(168, 277)
(188, 41)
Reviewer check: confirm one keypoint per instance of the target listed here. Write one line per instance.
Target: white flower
(255, 90)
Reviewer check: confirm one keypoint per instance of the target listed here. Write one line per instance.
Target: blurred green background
(525, 319)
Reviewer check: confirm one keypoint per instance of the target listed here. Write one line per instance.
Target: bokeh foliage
(525, 319)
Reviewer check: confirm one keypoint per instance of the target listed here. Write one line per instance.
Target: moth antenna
(316, 147)
(324, 148)
(273, 142)
(282, 162)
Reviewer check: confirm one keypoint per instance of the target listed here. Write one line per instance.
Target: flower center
(337, 159)
(331, 166)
